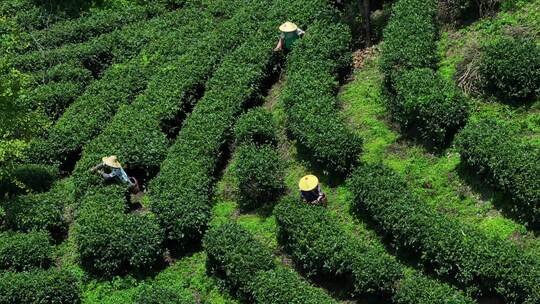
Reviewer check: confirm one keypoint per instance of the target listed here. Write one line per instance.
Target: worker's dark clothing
(116, 173)
(313, 195)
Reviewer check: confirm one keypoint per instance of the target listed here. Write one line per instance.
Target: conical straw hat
(288, 27)
(111, 161)
(308, 183)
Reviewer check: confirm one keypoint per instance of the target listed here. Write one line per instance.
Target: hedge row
(180, 194)
(320, 246)
(257, 127)
(136, 136)
(248, 269)
(111, 241)
(114, 47)
(491, 147)
(27, 15)
(86, 27)
(43, 211)
(26, 178)
(39, 287)
(450, 247)
(138, 133)
(91, 112)
(63, 72)
(309, 96)
(511, 67)
(24, 251)
(156, 294)
(417, 96)
(257, 166)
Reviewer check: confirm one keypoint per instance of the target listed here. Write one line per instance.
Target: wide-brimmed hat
(111, 161)
(288, 27)
(308, 183)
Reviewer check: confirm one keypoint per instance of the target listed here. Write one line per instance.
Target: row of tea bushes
(417, 96)
(320, 246)
(257, 166)
(452, 248)
(309, 96)
(89, 114)
(248, 270)
(87, 26)
(491, 148)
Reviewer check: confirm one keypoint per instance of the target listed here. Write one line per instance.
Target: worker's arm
(300, 32)
(98, 167)
(279, 45)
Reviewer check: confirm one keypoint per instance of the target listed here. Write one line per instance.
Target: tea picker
(290, 32)
(111, 170)
(310, 190)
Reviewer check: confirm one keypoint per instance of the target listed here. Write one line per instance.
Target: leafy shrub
(259, 173)
(63, 72)
(54, 97)
(256, 126)
(112, 242)
(24, 251)
(180, 194)
(491, 147)
(511, 67)
(155, 294)
(87, 26)
(409, 38)
(319, 245)
(44, 211)
(415, 288)
(28, 178)
(39, 287)
(235, 256)
(309, 97)
(452, 248)
(284, 286)
(430, 103)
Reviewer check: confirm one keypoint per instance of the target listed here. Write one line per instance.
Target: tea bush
(109, 241)
(431, 104)
(491, 148)
(39, 287)
(511, 67)
(256, 126)
(259, 172)
(24, 251)
(452, 248)
(309, 97)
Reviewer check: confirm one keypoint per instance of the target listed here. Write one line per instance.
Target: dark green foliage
(44, 211)
(180, 194)
(319, 246)
(87, 26)
(418, 289)
(410, 38)
(511, 67)
(39, 287)
(492, 148)
(110, 241)
(24, 251)
(28, 178)
(259, 172)
(63, 72)
(54, 97)
(155, 294)
(284, 286)
(416, 94)
(256, 126)
(453, 249)
(235, 256)
(309, 97)
(432, 105)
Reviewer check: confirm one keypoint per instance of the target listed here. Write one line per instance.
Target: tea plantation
(152, 152)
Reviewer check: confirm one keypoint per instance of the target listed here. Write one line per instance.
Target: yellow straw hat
(308, 183)
(111, 161)
(288, 27)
